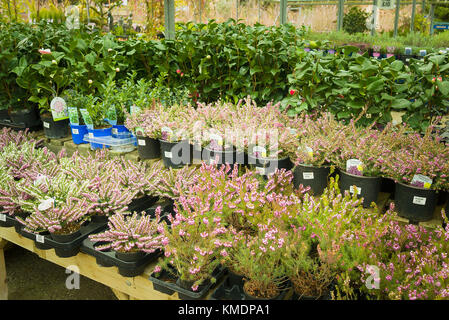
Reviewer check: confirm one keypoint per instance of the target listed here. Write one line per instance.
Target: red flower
(178, 71)
(44, 51)
(182, 74)
(292, 92)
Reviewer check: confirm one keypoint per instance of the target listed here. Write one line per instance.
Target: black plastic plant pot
(7, 221)
(388, 185)
(4, 115)
(130, 256)
(25, 117)
(148, 148)
(267, 166)
(224, 292)
(65, 238)
(176, 154)
(367, 188)
(220, 157)
(55, 129)
(160, 281)
(187, 286)
(442, 197)
(99, 219)
(23, 215)
(234, 279)
(311, 176)
(414, 203)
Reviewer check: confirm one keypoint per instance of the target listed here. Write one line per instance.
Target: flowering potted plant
(131, 236)
(419, 168)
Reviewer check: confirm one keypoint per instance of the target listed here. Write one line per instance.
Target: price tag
(3, 217)
(354, 163)
(91, 135)
(260, 170)
(419, 200)
(141, 142)
(75, 131)
(351, 190)
(259, 151)
(40, 238)
(46, 125)
(307, 175)
(423, 180)
(168, 154)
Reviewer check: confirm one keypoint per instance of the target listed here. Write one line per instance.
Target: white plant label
(351, 190)
(217, 138)
(212, 161)
(141, 142)
(168, 154)
(293, 130)
(260, 170)
(427, 182)
(75, 131)
(46, 125)
(114, 131)
(46, 204)
(307, 175)
(3, 217)
(39, 180)
(167, 130)
(354, 163)
(91, 135)
(261, 150)
(419, 200)
(40, 238)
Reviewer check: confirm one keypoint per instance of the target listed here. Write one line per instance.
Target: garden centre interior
(224, 150)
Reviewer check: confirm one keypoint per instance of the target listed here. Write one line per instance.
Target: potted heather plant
(317, 145)
(260, 264)
(419, 168)
(191, 248)
(360, 161)
(130, 236)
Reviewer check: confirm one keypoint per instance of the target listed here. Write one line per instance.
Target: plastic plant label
(46, 125)
(259, 151)
(87, 118)
(75, 131)
(73, 116)
(168, 154)
(354, 163)
(419, 200)
(140, 131)
(91, 135)
(217, 138)
(141, 142)
(39, 179)
(260, 170)
(307, 175)
(166, 133)
(293, 130)
(3, 217)
(40, 238)
(309, 151)
(58, 108)
(114, 131)
(351, 190)
(46, 204)
(422, 53)
(111, 116)
(134, 109)
(408, 50)
(419, 179)
(212, 162)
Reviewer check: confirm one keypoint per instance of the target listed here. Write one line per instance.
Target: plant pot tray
(7, 221)
(169, 287)
(108, 259)
(142, 203)
(64, 250)
(125, 142)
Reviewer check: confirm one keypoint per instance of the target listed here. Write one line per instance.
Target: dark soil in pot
(366, 187)
(314, 177)
(176, 154)
(55, 129)
(65, 238)
(130, 256)
(148, 148)
(414, 203)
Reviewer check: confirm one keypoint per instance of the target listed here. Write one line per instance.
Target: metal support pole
(87, 11)
(340, 13)
(237, 9)
(258, 5)
(200, 10)
(283, 12)
(169, 12)
(396, 18)
(375, 12)
(423, 6)
(431, 14)
(412, 22)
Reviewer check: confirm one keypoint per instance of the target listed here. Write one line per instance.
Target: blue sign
(441, 26)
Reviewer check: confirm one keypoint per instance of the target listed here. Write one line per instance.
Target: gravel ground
(32, 278)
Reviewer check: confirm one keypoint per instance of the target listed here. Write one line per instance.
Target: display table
(124, 288)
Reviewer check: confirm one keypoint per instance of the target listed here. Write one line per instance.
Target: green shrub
(355, 20)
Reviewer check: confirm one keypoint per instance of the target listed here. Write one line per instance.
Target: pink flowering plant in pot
(170, 183)
(191, 247)
(131, 233)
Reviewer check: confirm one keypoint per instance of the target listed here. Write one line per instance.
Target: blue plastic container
(78, 132)
(106, 132)
(119, 128)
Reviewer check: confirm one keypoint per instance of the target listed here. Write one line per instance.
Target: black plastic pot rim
(362, 177)
(231, 149)
(268, 159)
(174, 142)
(313, 166)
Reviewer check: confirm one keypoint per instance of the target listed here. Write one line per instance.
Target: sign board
(441, 26)
(386, 4)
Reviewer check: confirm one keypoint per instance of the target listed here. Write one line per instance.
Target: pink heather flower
(182, 232)
(165, 241)
(167, 253)
(217, 219)
(263, 249)
(224, 253)
(205, 221)
(157, 269)
(195, 287)
(204, 234)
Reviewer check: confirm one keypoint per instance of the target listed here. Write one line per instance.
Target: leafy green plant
(355, 20)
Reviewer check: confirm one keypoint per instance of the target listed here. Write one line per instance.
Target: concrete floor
(32, 278)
